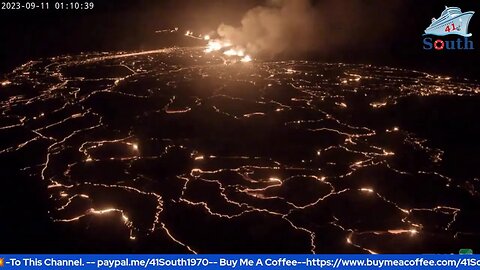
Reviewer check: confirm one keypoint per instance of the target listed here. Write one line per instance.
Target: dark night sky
(378, 31)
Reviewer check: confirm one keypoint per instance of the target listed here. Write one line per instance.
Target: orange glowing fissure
(224, 46)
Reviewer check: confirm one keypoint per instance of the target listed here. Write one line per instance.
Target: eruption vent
(270, 30)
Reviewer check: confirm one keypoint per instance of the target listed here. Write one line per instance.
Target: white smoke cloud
(270, 30)
(298, 26)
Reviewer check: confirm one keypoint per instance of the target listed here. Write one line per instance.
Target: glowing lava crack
(173, 146)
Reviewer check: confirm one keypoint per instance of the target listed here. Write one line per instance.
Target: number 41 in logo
(448, 29)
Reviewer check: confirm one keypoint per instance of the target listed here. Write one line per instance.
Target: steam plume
(298, 26)
(270, 30)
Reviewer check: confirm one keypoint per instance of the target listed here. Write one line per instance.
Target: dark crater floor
(179, 151)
